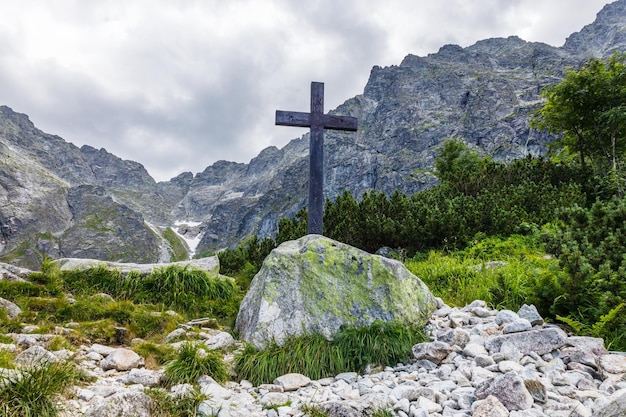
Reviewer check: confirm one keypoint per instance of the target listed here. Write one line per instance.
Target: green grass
(464, 276)
(174, 287)
(52, 297)
(155, 355)
(191, 362)
(6, 360)
(310, 410)
(312, 355)
(178, 247)
(32, 391)
(383, 412)
(168, 405)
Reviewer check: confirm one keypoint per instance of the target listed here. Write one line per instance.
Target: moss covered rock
(316, 285)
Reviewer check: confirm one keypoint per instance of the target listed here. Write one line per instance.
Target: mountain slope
(61, 200)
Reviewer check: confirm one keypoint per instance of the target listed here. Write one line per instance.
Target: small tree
(588, 108)
(461, 167)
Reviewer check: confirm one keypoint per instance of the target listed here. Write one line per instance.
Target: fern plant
(603, 328)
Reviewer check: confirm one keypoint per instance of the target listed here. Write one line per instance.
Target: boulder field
(480, 362)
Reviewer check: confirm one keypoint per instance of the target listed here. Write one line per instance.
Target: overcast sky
(177, 85)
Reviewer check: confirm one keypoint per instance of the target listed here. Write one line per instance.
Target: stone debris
(470, 368)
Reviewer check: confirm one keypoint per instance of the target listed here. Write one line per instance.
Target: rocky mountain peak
(602, 37)
(482, 94)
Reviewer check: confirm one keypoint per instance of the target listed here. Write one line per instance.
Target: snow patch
(189, 231)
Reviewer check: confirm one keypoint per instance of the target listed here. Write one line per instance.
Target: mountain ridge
(61, 200)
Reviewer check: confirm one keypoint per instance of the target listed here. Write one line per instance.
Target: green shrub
(32, 391)
(12, 290)
(191, 362)
(245, 260)
(99, 331)
(95, 280)
(310, 355)
(351, 350)
(590, 244)
(50, 277)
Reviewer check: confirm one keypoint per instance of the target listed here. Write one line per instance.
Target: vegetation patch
(155, 355)
(168, 405)
(179, 249)
(33, 391)
(191, 362)
(186, 289)
(352, 349)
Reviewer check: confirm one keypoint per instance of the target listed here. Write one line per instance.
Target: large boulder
(316, 285)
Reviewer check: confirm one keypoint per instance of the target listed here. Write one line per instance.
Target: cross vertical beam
(317, 121)
(316, 160)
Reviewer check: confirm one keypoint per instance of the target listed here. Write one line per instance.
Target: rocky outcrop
(209, 264)
(604, 36)
(104, 229)
(482, 95)
(59, 200)
(315, 285)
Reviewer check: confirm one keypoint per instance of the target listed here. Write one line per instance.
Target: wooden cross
(317, 121)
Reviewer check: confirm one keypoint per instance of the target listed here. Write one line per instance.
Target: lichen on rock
(316, 285)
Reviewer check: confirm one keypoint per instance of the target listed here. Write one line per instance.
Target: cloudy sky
(179, 84)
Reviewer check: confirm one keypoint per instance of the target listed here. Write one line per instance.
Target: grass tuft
(310, 410)
(192, 362)
(168, 405)
(32, 391)
(312, 355)
(154, 355)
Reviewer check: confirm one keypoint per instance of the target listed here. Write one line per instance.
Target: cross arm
(327, 121)
(293, 118)
(330, 121)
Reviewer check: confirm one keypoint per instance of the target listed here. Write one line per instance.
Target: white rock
(215, 390)
(35, 355)
(506, 316)
(8, 347)
(126, 403)
(145, 377)
(221, 340)
(292, 382)
(489, 407)
(612, 363)
(122, 360)
(175, 334)
(530, 313)
(101, 349)
(516, 326)
(11, 309)
(474, 349)
(429, 405)
(273, 399)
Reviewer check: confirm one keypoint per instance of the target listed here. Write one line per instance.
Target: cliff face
(62, 200)
(59, 200)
